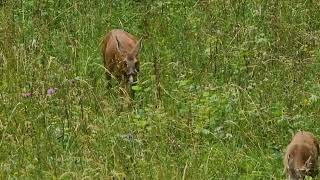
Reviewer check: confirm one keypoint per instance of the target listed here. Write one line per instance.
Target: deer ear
(137, 48)
(119, 46)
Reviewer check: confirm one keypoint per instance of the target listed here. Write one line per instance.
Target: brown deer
(301, 158)
(120, 51)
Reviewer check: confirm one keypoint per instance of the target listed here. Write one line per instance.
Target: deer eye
(125, 63)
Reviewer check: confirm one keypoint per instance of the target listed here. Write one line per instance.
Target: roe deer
(120, 52)
(301, 158)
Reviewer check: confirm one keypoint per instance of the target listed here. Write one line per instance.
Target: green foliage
(223, 86)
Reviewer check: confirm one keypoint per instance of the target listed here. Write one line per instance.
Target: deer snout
(132, 78)
(132, 75)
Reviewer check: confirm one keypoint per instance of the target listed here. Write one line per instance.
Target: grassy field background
(223, 86)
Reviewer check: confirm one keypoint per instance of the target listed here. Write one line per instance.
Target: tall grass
(223, 85)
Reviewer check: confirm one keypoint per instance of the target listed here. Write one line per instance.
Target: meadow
(223, 85)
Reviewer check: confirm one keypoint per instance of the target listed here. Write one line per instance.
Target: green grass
(234, 81)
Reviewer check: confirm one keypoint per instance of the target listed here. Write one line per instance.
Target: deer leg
(110, 69)
(122, 87)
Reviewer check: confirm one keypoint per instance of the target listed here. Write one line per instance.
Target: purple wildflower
(51, 91)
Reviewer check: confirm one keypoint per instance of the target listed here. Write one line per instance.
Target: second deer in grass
(120, 51)
(301, 158)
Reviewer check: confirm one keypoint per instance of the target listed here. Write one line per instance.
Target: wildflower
(51, 91)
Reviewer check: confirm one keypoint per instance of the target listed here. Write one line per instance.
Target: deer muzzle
(131, 79)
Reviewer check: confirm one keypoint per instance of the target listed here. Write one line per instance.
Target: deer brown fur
(301, 158)
(120, 51)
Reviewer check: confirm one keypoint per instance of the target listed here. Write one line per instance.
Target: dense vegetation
(223, 86)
